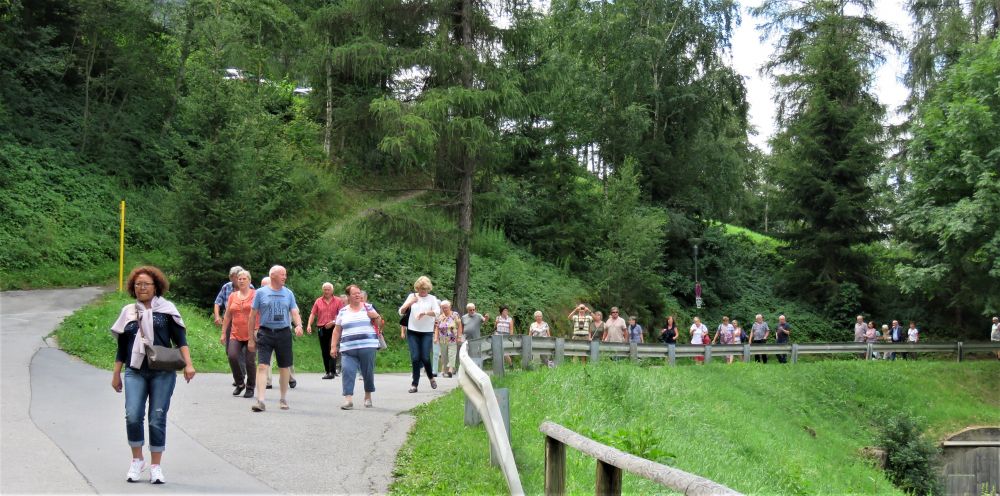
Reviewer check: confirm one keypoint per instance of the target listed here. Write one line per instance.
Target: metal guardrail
(558, 349)
(479, 390)
(610, 464)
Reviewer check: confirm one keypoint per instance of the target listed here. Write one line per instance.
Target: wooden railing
(611, 463)
(558, 349)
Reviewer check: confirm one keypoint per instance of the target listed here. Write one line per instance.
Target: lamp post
(697, 284)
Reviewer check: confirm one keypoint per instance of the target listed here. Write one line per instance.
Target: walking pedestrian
(699, 336)
(724, 335)
(759, 334)
(913, 335)
(265, 282)
(423, 308)
(505, 327)
(355, 338)
(994, 332)
(540, 328)
(219, 307)
(237, 341)
(615, 329)
(449, 328)
(669, 334)
(276, 306)
(634, 331)
(324, 313)
(153, 320)
(782, 334)
(472, 322)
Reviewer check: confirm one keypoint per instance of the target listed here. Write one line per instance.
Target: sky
(749, 53)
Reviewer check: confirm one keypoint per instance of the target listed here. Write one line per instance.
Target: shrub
(911, 459)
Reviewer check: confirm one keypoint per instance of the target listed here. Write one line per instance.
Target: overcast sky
(749, 53)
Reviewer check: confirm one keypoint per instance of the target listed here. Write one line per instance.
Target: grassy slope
(746, 426)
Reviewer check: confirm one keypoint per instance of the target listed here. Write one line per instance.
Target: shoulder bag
(159, 357)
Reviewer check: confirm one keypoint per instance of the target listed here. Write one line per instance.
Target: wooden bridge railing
(611, 463)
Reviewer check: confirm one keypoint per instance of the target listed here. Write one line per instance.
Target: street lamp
(697, 284)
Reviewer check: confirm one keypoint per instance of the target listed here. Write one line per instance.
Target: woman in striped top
(505, 327)
(354, 337)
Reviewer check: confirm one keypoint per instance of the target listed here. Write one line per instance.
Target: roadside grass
(102, 274)
(757, 429)
(86, 334)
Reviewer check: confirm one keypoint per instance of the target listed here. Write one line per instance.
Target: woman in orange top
(238, 314)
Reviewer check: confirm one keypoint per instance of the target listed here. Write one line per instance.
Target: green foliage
(950, 212)
(912, 460)
(830, 144)
(724, 422)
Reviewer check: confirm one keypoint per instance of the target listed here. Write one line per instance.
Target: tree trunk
(468, 166)
(181, 67)
(88, 67)
(328, 131)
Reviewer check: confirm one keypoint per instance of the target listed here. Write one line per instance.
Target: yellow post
(121, 252)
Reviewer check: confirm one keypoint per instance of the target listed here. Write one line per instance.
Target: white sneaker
(156, 475)
(135, 469)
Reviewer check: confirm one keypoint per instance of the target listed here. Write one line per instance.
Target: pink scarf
(145, 335)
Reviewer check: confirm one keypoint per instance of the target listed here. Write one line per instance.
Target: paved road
(63, 426)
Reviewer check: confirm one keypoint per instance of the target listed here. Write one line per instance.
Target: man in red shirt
(324, 313)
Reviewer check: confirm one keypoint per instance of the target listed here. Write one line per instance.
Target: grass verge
(757, 429)
(86, 335)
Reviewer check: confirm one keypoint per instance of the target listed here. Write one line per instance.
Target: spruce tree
(830, 143)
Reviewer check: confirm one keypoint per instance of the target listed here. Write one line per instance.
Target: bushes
(911, 459)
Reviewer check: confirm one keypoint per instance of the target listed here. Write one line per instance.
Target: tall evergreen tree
(830, 143)
(453, 125)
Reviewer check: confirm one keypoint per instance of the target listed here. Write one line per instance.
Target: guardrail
(610, 464)
(479, 390)
(558, 349)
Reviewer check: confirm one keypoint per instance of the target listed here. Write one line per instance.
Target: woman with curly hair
(153, 320)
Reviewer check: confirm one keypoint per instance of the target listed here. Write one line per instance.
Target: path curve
(215, 444)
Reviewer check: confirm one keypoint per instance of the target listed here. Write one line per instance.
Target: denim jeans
(435, 357)
(420, 344)
(352, 362)
(158, 387)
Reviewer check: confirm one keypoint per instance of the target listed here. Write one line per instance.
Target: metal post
(497, 350)
(526, 351)
(555, 467)
(560, 352)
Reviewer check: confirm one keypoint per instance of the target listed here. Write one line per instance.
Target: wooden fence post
(708, 354)
(746, 352)
(609, 480)
(475, 350)
(560, 352)
(795, 353)
(497, 349)
(633, 352)
(595, 351)
(555, 467)
(869, 352)
(960, 351)
(526, 351)
(672, 354)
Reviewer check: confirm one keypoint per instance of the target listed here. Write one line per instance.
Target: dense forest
(571, 150)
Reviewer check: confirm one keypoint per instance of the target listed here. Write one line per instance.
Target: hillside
(756, 429)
